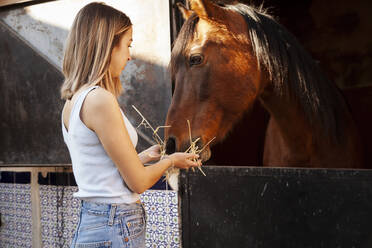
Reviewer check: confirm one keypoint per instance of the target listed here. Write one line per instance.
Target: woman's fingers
(192, 163)
(186, 160)
(153, 154)
(193, 160)
(153, 151)
(155, 148)
(192, 156)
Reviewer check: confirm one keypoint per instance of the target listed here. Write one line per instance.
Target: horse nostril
(199, 144)
(170, 147)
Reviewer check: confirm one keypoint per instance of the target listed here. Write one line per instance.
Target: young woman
(109, 173)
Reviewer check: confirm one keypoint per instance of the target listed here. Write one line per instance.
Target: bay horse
(227, 57)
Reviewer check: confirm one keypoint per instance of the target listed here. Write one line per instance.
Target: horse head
(216, 76)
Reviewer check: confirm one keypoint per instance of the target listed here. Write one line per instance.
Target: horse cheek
(204, 85)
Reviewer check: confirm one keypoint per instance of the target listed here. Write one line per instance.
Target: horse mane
(179, 46)
(290, 68)
(293, 72)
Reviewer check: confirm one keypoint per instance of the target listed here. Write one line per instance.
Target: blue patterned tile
(15, 207)
(162, 218)
(161, 210)
(58, 215)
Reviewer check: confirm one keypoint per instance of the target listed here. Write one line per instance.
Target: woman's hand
(184, 160)
(150, 154)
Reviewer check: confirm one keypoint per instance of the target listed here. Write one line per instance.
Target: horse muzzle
(205, 155)
(171, 147)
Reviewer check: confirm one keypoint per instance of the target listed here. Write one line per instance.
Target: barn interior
(337, 35)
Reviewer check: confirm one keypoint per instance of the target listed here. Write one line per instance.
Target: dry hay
(193, 148)
(171, 174)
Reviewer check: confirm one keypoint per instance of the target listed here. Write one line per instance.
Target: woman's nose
(129, 58)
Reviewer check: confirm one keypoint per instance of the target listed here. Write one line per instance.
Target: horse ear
(205, 8)
(186, 13)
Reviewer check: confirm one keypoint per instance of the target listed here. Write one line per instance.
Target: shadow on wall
(30, 131)
(335, 32)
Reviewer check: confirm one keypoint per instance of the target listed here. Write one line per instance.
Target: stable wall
(36, 183)
(276, 207)
(31, 47)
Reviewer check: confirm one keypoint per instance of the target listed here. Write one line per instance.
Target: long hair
(96, 30)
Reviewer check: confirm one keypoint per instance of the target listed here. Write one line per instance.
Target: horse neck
(288, 127)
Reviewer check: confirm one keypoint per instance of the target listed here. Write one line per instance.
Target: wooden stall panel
(269, 207)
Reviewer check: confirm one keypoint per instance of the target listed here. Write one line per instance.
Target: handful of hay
(155, 134)
(194, 149)
(171, 175)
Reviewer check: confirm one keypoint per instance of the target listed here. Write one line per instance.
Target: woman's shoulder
(100, 98)
(99, 107)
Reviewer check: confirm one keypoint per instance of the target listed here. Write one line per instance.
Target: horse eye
(196, 59)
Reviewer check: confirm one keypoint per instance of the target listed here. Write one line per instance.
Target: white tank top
(96, 175)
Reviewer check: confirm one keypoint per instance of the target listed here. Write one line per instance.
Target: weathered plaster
(146, 82)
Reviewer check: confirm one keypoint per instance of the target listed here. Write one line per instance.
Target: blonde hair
(96, 30)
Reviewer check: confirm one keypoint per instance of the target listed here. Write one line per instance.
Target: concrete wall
(42, 28)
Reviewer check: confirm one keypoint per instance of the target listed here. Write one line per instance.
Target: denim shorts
(110, 225)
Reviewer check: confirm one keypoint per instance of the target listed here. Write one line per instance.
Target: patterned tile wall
(59, 216)
(162, 218)
(15, 209)
(60, 211)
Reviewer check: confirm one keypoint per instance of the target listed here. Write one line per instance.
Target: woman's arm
(101, 113)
